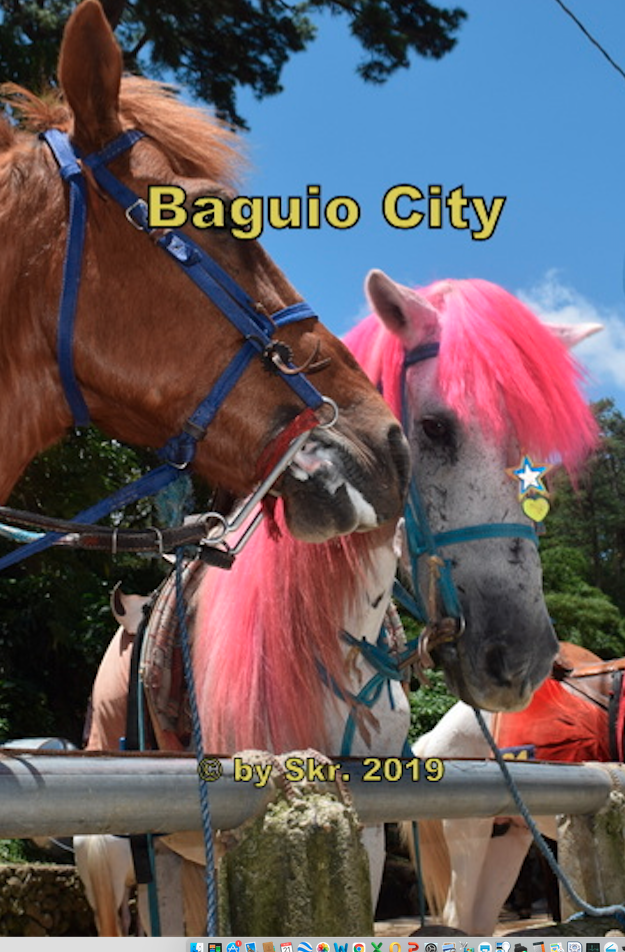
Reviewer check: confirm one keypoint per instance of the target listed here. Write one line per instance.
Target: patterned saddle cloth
(161, 665)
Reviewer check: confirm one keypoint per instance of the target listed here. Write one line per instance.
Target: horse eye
(436, 430)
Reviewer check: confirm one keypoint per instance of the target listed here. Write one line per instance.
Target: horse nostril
(400, 454)
(496, 666)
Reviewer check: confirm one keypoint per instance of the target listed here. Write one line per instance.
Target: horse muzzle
(495, 674)
(334, 487)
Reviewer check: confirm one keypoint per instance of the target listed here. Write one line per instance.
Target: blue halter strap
(257, 329)
(423, 542)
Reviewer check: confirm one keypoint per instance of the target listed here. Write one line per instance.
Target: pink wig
(498, 365)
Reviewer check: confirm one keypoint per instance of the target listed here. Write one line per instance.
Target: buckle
(141, 221)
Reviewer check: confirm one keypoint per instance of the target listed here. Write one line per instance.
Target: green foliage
(583, 549)
(13, 851)
(581, 612)
(22, 851)
(588, 618)
(590, 518)
(213, 48)
(55, 620)
(428, 704)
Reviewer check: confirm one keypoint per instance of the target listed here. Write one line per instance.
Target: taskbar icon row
(405, 945)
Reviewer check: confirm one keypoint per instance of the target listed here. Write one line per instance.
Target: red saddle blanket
(559, 723)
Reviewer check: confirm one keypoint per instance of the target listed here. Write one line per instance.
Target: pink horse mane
(498, 365)
(263, 629)
(261, 632)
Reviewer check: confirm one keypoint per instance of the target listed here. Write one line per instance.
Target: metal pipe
(62, 794)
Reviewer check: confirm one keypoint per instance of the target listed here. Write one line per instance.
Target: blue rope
(152, 890)
(617, 911)
(207, 826)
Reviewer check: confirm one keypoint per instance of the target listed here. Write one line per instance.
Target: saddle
(577, 714)
(157, 687)
(158, 667)
(602, 683)
(616, 717)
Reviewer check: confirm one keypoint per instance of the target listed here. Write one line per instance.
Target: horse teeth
(311, 462)
(298, 473)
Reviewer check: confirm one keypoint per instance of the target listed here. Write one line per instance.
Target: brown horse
(149, 345)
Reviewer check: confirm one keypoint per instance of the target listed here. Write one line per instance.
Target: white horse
(468, 873)
(476, 378)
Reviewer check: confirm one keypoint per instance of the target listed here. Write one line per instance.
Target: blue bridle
(422, 542)
(256, 328)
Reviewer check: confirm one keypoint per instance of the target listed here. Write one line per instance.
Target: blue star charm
(530, 477)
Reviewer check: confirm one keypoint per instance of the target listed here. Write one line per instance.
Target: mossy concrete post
(591, 851)
(298, 869)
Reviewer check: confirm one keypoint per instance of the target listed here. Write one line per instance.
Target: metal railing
(62, 794)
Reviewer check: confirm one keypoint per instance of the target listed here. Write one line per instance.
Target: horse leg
(500, 866)
(194, 897)
(500, 869)
(468, 843)
(104, 864)
(143, 910)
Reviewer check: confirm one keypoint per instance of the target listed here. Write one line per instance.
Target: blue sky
(524, 107)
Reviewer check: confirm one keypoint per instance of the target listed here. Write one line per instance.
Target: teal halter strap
(387, 667)
(423, 542)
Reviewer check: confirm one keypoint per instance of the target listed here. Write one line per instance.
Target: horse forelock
(263, 630)
(499, 366)
(195, 142)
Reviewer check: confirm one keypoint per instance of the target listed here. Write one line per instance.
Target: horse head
(481, 384)
(149, 344)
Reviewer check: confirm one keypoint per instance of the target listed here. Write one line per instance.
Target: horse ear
(405, 313)
(572, 334)
(90, 71)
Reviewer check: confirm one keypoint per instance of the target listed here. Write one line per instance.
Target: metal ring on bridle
(328, 402)
(225, 529)
(159, 538)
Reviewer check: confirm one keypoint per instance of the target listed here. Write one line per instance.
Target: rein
(256, 328)
(440, 611)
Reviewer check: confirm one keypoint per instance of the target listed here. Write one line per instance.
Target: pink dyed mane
(259, 634)
(262, 628)
(498, 365)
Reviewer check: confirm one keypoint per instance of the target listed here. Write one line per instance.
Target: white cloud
(603, 354)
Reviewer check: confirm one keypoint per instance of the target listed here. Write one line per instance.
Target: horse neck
(264, 629)
(365, 616)
(33, 413)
